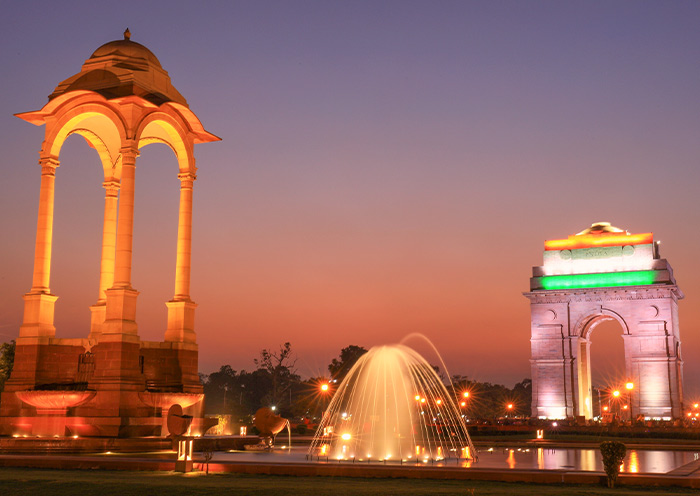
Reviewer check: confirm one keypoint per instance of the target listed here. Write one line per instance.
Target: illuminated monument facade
(605, 273)
(109, 383)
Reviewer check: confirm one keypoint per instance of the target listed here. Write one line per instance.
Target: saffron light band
(598, 240)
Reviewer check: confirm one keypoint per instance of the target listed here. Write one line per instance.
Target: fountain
(392, 406)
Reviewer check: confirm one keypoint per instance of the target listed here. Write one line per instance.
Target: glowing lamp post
(324, 389)
(629, 387)
(615, 395)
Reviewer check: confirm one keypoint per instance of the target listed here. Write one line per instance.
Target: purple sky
(386, 167)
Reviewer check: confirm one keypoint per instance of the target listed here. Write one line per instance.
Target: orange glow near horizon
(576, 242)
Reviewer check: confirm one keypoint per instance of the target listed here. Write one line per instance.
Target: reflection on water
(636, 461)
(633, 462)
(511, 459)
(589, 460)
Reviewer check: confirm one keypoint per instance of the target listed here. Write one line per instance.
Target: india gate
(605, 273)
(109, 382)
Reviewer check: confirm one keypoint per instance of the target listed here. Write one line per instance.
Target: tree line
(276, 382)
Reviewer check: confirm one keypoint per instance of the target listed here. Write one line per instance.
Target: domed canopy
(599, 228)
(123, 68)
(126, 48)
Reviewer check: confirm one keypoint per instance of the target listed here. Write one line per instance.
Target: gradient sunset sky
(387, 167)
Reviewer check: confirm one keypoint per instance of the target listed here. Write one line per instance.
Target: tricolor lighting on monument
(602, 256)
(604, 274)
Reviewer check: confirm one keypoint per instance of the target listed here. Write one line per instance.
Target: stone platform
(64, 445)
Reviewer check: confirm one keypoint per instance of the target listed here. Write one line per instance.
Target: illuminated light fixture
(422, 400)
(600, 280)
(578, 241)
(465, 394)
(346, 437)
(439, 402)
(616, 393)
(417, 397)
(464, 403)
(629, 386)
(324, 387)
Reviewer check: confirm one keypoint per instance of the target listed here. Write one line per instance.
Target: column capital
(112, 187)
(187, 179)
(129, 150)
(48, 166)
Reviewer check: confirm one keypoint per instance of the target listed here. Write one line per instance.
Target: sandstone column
(181, 308)
(117, 352)
(39, 302)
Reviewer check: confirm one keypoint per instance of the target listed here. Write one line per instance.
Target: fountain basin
(166, 400)
(54, 402)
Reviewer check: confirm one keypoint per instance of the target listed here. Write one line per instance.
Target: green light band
(604, 280)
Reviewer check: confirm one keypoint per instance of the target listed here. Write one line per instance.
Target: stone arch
(605, 274)
(100, 125)
(585, 325)
(160, 127)
(584, 328)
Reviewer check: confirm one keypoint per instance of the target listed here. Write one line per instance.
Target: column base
(120, 313)
(181, 321)
(98, 315)
(38, 316)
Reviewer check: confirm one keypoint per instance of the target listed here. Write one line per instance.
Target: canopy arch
(101, 127)
(159, 127)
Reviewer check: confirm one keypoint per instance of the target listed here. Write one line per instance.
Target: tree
(7, 360)
(613, 453)
(522, 393)
(349, 355)
(280, 368)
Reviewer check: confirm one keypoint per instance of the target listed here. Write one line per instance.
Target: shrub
(613, 453)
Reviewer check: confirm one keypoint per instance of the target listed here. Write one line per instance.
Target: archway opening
(77, 236)
(156, 207)
(603, 369)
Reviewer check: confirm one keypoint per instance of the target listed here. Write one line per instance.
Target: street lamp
(629, 386)
(616, 395)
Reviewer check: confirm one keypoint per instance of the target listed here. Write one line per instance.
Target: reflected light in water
(511, 459)
(634, 462)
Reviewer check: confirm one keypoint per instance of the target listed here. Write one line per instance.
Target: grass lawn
(38, 482)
